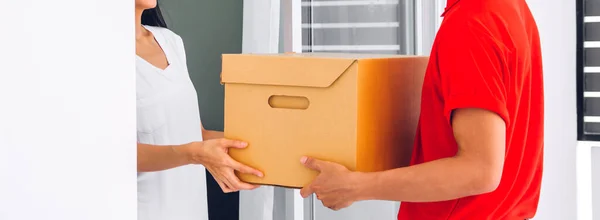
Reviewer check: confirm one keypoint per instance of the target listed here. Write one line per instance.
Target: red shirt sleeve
(472, 69)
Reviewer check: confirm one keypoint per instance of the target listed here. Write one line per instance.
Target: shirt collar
(449, 5)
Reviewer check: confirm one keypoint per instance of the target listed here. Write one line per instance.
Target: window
(588, 69)
(367, 26)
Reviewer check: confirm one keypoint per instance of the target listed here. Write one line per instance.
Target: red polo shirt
(486, 55)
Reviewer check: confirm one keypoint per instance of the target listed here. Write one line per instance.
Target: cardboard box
(357, 110)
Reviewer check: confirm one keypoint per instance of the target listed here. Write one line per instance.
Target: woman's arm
(210, 153)
(209, 134)
(152, 158)
(156, 158)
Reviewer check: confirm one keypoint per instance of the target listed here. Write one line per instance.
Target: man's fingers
(312, 163)
(233, 143)
(245, 169)
(326, 204)
(307, 191)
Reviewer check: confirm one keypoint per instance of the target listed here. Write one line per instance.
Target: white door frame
(292, 25)
(427, 21)
(583, 173)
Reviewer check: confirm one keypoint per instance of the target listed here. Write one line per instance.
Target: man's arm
(476, 168)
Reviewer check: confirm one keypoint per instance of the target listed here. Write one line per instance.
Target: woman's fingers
(224, 172)
(232, 143)
(227, 186)
(224, 187)
(220, 179)
(228, 183)
(245, 169)
(237, 184)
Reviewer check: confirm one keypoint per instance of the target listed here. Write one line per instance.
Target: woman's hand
(213, 154)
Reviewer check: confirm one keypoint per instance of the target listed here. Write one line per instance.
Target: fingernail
(260, 175)
(244, 144)
(303, 159)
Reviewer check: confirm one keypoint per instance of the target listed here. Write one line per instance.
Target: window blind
(357, 26)
(588, 64)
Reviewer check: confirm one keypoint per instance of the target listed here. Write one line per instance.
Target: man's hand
(334, 185)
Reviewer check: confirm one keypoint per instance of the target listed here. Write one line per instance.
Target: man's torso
(510, 45)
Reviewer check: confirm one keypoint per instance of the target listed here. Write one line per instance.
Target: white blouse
(168, 114)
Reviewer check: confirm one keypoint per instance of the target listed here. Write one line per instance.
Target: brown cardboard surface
(357, 110)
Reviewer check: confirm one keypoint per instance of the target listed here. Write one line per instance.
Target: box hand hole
(289, 102)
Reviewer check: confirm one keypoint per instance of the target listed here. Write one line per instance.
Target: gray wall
(209, 28)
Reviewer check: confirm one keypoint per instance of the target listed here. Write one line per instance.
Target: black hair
(153, 17)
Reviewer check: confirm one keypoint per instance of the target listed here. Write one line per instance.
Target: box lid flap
(283, 69)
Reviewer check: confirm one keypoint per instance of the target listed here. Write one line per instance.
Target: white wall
(556, 22)
(67, 110)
